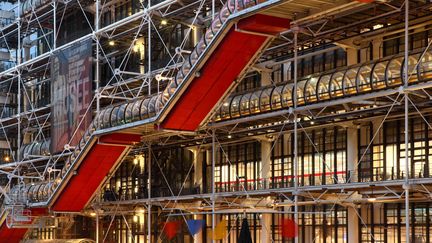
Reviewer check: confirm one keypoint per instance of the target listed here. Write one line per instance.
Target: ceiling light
(164, 22)
(111, 43)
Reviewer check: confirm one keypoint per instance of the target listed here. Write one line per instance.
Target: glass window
(412, 71)
(136, 110)
(276, 98)
(225, 110)
(144, 104)
(244, 104)
(235, 106)
(310, 90)
(287, 96)
(151, 106)
(393, 71)
(363, 81)
(336, 84)
(254, 102)
(425, 67)
(265, 99)
(349, 81)
(323, 87)
(107, 118)
(121, 114)
(114, 115)
(378, 75)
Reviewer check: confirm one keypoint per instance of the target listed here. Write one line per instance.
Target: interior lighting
(135, 161)
(111, 43)
(229, 136)
(6, 158)
(93, 214)
(164, 22)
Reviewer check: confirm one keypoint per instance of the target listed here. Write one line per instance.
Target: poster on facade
(71, 87)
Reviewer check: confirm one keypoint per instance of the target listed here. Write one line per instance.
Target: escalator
(206, 76)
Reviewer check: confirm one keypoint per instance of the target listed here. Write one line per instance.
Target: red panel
(120, 138)
(92, 171)
(14, 235)
(11, 235)
(227, 61)
(265, 24)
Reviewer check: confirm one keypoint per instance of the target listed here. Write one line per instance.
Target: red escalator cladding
(228, 60)
(15, 235)
(120, 138)
(92, 171)
(12, 235)
(265, 24)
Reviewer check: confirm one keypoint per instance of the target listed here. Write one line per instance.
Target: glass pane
(349, 81)
(394, 71)
(144, 113)
(363, 80)
(235, 106)
(310, 90)
(336, 84)
(265, 99)
(224, 112)
(254, 102)
(425, 67)
(276, 99)
(378, 75)
(136, 110)
(323, 87)
(287, 96)
(244, 105)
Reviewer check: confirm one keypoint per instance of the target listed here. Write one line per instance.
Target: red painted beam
(227, 61)
(90, 174)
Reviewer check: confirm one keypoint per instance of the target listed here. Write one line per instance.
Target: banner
(220, 231)
(195, 225)
(71, 94)
(245, 234)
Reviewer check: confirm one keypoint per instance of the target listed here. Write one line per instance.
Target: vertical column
(352, 54)
(266, 162)
(198, 176)
(353, 225)
(266, 78)
(376, 49)
(352, 154)
(198, 238)
(266, 223)
(150, 154)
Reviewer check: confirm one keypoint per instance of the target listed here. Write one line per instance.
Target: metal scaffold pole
(18, 54)
(54, 4)
(407, 166)
(149, 205)
(296, 217)
(213, 180)
(149, 50)
(97, 226)
(97, 72)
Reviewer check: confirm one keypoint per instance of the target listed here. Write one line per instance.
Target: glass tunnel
(339, 83)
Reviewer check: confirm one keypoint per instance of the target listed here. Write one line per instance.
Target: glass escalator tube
(276, 98)
(244, 104)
